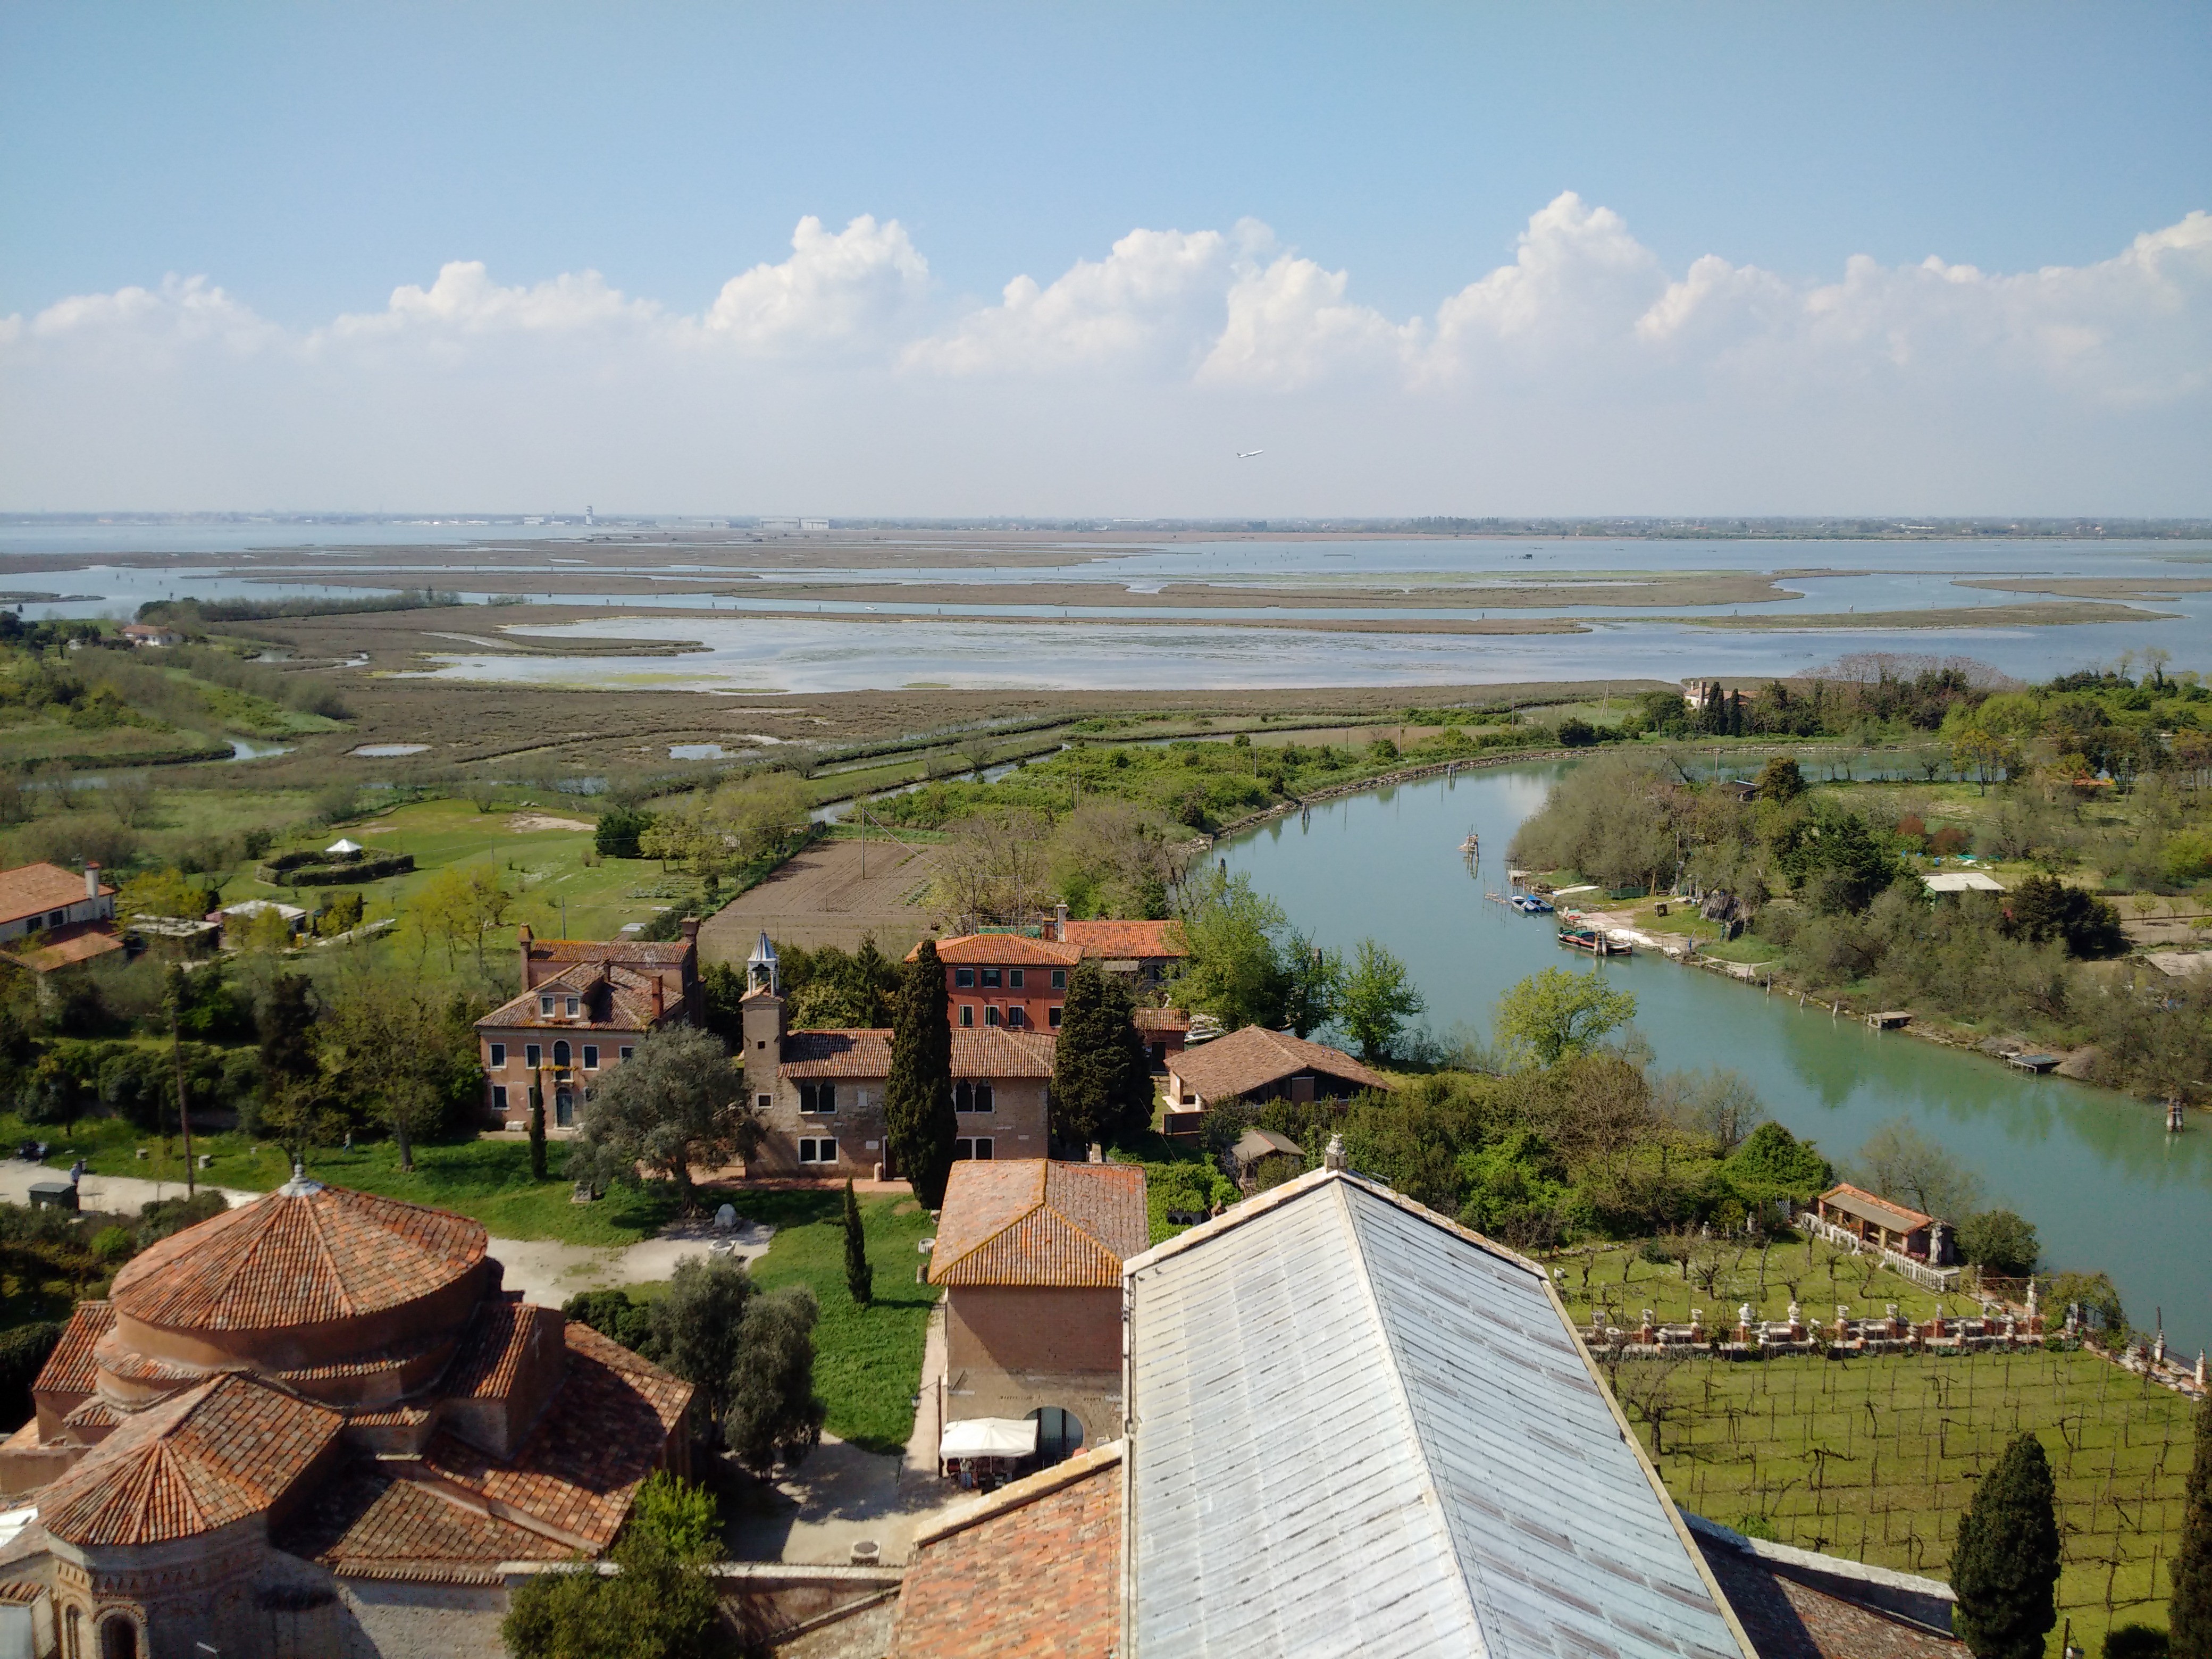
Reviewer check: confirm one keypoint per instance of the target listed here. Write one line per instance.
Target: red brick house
(1020, 982)
(584, 1005)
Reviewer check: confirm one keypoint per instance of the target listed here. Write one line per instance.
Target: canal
(2105, 1186)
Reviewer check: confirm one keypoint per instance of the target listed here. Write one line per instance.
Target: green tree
(859, 1277)
(1557, 1013)
(1899, 1162)
(2190, 1611)
(613, 1315)
(1102, 1083)
(537, 1130)
(771, 1407)
(2005, 1567)
(919, 1124)
(1999, 1241)
(661, 1605)
(678, 1101)
(287, 1019)
(1234, 970)
(1316, 985)
(1780, 779)
(1377, 1000)
(696, 1327)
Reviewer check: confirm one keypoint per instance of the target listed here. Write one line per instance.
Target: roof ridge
(323, 1247)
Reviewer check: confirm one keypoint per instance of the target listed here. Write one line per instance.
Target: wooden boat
(1596, 942)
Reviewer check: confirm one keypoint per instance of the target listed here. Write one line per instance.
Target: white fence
(1940, 1279)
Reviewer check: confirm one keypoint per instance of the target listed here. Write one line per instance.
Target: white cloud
(835, 290)
(466, 300)
(145, 323)
(1289, 325)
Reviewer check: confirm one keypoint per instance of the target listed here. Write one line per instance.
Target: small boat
(1597, 943)
(1531, 904)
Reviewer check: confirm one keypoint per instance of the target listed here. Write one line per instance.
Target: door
(564, 1108)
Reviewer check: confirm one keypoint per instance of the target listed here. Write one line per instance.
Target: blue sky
(307, 161)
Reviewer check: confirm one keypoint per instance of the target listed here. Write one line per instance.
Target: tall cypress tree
(859, 1277)
(1101, 1084)
(918, 1120)
(2005, 1569)
(2191, 1610)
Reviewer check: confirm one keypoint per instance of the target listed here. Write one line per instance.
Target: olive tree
(678, 1101)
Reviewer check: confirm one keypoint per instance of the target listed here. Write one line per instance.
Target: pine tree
(2005, 1569)
(918, 1125)
(1102, 1085)
(2191, 1610)
(859, 1277)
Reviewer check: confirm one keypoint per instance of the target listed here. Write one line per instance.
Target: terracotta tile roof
(1033, 1570)
(1254, 1057)
(602, 1434)
(612, 1000)
(1790, 1613)
(298, 1259)
(369, 1524)
(22, 1592)
(500, 1338)
(70, 1368)
(211, 1456)
(1007, 949)
(978, 1052)
(654, 953)
(95, 1413)
(1857, 1200)
(1028, 1221)
(80, 941)
(1127, 938)
(30, 889)
(1161, 1019)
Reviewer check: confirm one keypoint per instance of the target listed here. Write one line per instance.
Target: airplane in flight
(1247, 454)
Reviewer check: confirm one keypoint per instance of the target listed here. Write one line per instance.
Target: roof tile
(1255, 1057)
(982, 1051)
(72, 1368)
(1127, 938)
(1028, 1221)
(29, 888)
(1014, 949)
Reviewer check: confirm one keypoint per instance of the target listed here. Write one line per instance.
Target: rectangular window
(530, 1052)
(591, 1056)
(990, 976)
(1017, 1015)
(964, 978)
(817, 1097)
(967, 1013)
(991, 1014)
(1053, 1014)
(963, 1096)
(499, 1096)
(761, 1101)
(1060, 978)
(498, 1057)
(982, 1096)
(626, 1051)
(818, 1151)
(545, 1004)
(963, 1148)
(574, 1005)
(1014, 978)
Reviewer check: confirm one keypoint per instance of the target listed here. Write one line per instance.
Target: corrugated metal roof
(1358, 1429)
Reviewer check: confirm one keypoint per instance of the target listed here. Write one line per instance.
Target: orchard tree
(697, 1327)
(919, 1124)
(773, 1411)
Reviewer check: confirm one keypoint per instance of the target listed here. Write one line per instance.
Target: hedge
(297, 869)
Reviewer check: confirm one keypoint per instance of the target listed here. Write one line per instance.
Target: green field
(1875, 1460)
(1720, 1275)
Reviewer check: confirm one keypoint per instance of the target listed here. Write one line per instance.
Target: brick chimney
(91, 881)
(522, 944)
(1060, 923)
(657, 993)
(690, 928)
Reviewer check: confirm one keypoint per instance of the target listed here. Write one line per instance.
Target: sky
(935, 259)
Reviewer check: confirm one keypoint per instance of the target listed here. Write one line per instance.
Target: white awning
(1963, 881)
(342, 845)
(989, 1437)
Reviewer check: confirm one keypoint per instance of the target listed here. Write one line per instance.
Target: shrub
(2000, 1243)
(2135, 1642)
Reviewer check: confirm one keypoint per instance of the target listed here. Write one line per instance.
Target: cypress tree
(2190, 1609)
(536, 1133)
(859, 1277)
(2005, 1569)
(918, 1121)
(1101, 1084)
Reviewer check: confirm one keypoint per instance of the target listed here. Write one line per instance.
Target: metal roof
(1356, 1428)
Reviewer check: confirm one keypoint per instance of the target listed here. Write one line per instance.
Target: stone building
(584, 1005)
(820, 1094)
(1254, 1064)
(316, 1424)
(1030, 1255)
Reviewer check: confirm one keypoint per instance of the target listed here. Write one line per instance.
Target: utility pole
(177, 1058)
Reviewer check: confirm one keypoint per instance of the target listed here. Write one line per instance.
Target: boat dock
(2038, 1064)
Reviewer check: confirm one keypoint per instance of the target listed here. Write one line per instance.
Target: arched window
(119, 1637)
(560, 1054)
(1059, 1434)
(73, 1647)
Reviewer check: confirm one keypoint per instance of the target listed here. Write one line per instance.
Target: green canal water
(2104, 1184)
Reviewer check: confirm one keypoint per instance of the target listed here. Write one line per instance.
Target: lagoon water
(2104, 1185)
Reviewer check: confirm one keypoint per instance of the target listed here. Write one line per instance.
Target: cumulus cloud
(466, 300)
(149, 323)
(835, 290)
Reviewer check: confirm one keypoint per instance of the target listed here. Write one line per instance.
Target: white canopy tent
(989, 1437)
(342, 845)
(1963, 881)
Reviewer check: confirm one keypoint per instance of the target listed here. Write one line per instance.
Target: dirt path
(821, 898)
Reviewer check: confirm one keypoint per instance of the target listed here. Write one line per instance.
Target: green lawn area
(487, 1180)
(1747, 949)
(1875, 1460)
(1812, 1273)
(867, 1361)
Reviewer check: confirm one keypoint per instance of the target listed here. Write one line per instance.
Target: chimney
(91, 881)
(522, 944)
(1060, 923)
(657, 994)
(690, 926)
(1333, 1159)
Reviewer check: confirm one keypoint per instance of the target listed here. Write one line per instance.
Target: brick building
(584, 1005)
(1018, 981)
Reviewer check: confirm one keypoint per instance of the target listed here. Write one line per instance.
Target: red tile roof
(1857, 1200)
(28, 889)
(80, 941)
(1028, 1221)
(70, 1368)
(492, 1354)
(298, 1259)
(624, 996)
(369, 1524)
(978, 1052)
(660, 953)
(1013, 950)
(1033, 1570)
(211, 1456)
(1161, 1019)
(1255, 1058)
(1128, 938)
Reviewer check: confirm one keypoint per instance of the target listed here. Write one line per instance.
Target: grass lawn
(1812, 1273)
(1747, 949)
(487, 1180)
(1875, 1460)
(867, 1361)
